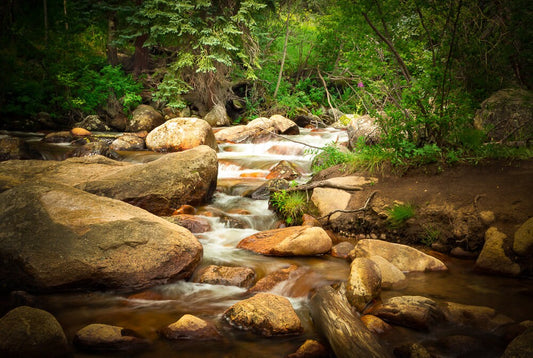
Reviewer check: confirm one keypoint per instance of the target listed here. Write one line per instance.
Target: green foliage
(431, 235)
(90, 89)
(291, 205)
(399, 214)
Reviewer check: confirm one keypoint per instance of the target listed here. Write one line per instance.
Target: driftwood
(344, 330)
(324, 184)
(361, 209)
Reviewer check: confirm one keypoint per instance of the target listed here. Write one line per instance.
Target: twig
(363, 208)
(476, 199)
(323, 184)
(328, 96)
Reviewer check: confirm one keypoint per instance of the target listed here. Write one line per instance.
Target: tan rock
(226, 275)
(404, 257)
(523, 238)
(493, 258)
(310, 349)
(342, 249)
(103, 337)
(144, 118)
(478, 317)
(487, 217)
(80, 132)
(217, 116)
(375, 324)
(190, 327)
(265, 314)
(33, 333)
(327, 200)
(82, 242)
(290, 241)
(274, 278)
(364, 283)
(410, 311)
(391, 276)
(194, 224)
(180, 134)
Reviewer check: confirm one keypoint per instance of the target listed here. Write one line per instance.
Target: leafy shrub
(90, 89)
(291, 205)
(399, 214)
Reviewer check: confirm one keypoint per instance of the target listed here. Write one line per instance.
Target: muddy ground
(449, 203)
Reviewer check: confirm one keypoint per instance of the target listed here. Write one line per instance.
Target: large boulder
(290, 241)
(31, 332)
(493, 258)
(217, 116)
(364, 283)
(159, 186)
(507, 115)
(363, 128)
(98, 337)
(403, 257)
(144, 118)
(521, 346)
(265, 314)
(55, 236)
(410, 311)
(523, 239)
(180, 134)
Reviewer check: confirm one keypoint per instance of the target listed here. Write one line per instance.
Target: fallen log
(344, 330)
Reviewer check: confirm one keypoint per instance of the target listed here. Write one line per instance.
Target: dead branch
(361, 209)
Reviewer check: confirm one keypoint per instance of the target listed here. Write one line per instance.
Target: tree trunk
(65, 13)
(280, 75)
(140, 58)
(45, 12)
(344, 330)
(112, 57)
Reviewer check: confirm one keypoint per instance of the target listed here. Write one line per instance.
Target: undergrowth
(291, 205)
(399, 214)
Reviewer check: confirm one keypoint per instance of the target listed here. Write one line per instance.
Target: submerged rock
(92, 149)
(310, 349)
(128, 141)
(190, 327)
(102, 338)
(31, 332)
(410, 311)
(87, 241)
(290, 241)
(284, 170)
(479, 317)
(180, 134)
(193, 223)
(226, 275)
(13, 148)
(265, 314)
(404, 257)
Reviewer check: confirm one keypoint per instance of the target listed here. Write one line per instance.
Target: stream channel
(243, 167)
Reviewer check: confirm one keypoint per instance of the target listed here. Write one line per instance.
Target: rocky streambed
(166, 254)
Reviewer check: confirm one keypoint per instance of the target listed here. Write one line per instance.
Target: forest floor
(501, 186)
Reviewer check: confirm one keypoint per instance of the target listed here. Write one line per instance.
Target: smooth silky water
(243, 167)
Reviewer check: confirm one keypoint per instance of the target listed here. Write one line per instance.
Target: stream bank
(243, 167)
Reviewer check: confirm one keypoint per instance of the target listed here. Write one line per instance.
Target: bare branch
(361, 209)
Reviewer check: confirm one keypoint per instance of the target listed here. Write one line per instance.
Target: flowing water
(243, 167)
